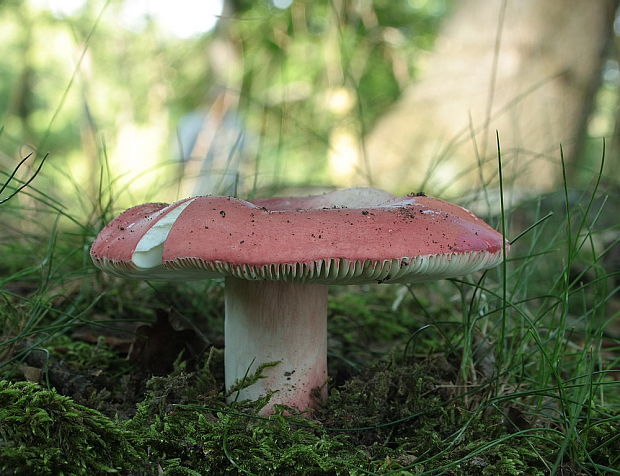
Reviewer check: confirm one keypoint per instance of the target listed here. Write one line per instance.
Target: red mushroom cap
(406, 239)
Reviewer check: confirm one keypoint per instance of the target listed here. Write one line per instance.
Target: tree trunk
(527, 69)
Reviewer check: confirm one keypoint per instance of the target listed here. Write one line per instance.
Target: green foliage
(283, 64)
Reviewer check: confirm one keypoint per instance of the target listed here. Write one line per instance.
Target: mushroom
(278, 256)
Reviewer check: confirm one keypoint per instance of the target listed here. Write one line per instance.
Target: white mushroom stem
(269, 321)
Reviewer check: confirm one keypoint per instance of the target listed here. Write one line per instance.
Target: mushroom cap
(402, 239)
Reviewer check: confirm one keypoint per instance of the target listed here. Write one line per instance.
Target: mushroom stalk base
(272, 321)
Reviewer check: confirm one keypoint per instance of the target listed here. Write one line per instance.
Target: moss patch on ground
(402, 416)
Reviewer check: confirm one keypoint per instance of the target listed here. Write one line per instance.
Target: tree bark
(527, 69)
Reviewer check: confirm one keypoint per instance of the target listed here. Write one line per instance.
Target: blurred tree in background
(277, 93)
(527, 69)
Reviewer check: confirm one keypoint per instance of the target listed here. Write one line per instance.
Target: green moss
(404, 416)
(43, 432)
(217, 438)
(84, 357)
(512, 459)
(231, 443)
(399, 418)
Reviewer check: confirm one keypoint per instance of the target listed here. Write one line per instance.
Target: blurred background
(156, 100)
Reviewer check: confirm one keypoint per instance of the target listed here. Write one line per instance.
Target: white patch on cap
(148, 252)
(357, 197)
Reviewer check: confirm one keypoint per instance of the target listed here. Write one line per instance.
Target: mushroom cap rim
(329, 271)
